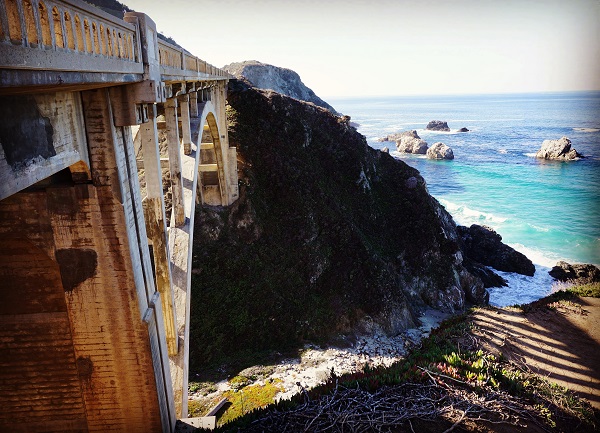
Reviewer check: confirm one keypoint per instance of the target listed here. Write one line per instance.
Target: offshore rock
(410, 142)
(440, 151)
(281, 80)
(483, 245)
(321, 250)
(438, 125)
(558, 150)
(463, 129)
(578, 273)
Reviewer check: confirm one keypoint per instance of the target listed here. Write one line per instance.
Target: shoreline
(314, 365)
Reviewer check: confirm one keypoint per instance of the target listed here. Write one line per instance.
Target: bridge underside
(100, 173)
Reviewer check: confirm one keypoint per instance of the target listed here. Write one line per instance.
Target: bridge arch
(212, 183)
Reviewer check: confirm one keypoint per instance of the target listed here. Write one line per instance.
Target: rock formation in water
(281, 80)
(558, 149)
(440, 151)
(577, 273)
(410, 142)
(483, 245)
(463, 129)
(327, 233)
(438, 125)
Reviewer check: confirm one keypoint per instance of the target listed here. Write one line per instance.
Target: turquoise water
(548, 210)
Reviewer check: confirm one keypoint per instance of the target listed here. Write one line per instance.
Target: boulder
(483, 245)
(579, 273)
(487, 276)
(558, 149)
(437, 125)
(385, 149)
(409, 142)
(463, 129)
(440, 151)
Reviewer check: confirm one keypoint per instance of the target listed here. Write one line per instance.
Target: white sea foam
(521, 289)
(586, 129)
(530, 154)
(538, 257)
(503, 151)
(467, 216)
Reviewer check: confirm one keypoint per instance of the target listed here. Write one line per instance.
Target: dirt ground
(558, 340)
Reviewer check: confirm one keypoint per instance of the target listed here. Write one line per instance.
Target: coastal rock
(579, 273)
(463, 129)
(281, 80)
(385, 149)
(440, 151)
(438, 125)
(483, 245)
(410, 142)
(485, 274)
(558, 149)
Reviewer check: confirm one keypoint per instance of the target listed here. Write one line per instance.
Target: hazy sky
(386, 47)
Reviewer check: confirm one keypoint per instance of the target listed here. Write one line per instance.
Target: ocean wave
(538, 257)
(503, 151)
(465, 215)
(538, 228)
(586, 129)
(530, 154)
(522, 289)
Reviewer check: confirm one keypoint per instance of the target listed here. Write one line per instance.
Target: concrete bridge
(103, 126)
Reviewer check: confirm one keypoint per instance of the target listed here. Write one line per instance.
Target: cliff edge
(281, 80)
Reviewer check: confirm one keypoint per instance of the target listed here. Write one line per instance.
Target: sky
(345, 48)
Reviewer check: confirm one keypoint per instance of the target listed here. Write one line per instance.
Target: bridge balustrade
(54, 42)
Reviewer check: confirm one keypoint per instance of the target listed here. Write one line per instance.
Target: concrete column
(156, 228)
(186, 131)
(178, 215)
(194, 104)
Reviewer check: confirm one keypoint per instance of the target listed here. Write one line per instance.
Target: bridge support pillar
(178, 217)
(194, 104)
(186, 131)
(154, 213)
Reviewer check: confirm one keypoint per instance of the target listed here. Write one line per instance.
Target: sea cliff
(328, 235)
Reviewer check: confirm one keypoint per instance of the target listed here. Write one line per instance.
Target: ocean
(548, 210)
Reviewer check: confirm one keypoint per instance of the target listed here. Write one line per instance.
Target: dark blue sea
(548, 210)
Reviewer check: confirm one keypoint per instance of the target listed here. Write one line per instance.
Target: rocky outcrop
(438, 125)
(282, 80)
(312, 251)
(410, 142)
(577, 273)
(463, 129)
(440, 151)
(558, 150)
(483, 245)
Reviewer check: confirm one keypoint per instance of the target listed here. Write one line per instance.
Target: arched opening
(103, 43)
(88, 36)
(14, 22)
(211, 176)
(96, 41)
(32, 35)
(69, 31)
(58, 31)
(79, 34)
(45, 25)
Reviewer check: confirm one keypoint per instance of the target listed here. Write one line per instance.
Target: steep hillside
(328, 234)
(281, 80)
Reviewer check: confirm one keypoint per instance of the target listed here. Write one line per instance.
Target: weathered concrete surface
(39, 136)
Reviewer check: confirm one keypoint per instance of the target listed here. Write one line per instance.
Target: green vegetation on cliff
(326, 232)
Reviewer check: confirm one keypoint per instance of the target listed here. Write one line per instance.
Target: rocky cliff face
(281, 80)
(328, 235)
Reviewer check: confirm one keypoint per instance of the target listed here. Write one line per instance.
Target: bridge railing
(71, 35)
(176, 62)
(66, 35)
